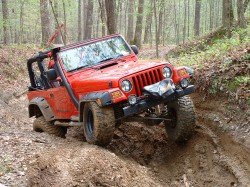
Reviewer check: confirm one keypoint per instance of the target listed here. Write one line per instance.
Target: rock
(217, 119)
(21, 173)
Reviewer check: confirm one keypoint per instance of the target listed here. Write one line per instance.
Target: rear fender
(38, 106)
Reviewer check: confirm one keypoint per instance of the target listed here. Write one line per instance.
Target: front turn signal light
(116, 94)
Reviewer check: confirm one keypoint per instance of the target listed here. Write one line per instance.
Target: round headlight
(126, 86)
(166, 72)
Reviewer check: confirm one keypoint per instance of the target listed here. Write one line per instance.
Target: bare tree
(65, 23)
(185, 22)
(103, 18)
(176, 25)
(58, 39)
(148, 23)
(89, 20)
(111, 20)
(240, 12)
(197, 17)
(45, 21)
(211, 15)
(160, 25)
(138, 29)
(245, 5)
(80, 27)
(227, 15)
(156, 33)
(6, 38)
(130, 31)
(188, 18)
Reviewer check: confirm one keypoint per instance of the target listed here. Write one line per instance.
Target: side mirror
(51, 74)
(135, 49)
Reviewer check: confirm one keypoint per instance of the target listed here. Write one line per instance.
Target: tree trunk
(45, 21)
(185, 22)
(6, 29)
(159, 31)
(148, 24)
(240, 12)
(217, 14)
(138, 29)
(130, 31)
(188, 18)
(119, 16)
(211, 15)
(227, 16)
(197, 17)
(58, 39)
(245, 5)
(177, 40)
(89, 20)
(110, 12)
(126, 19)
(103, 19)
(156, 33)
(164, 26)
(65, 23)
(21, 22)
(80, 27)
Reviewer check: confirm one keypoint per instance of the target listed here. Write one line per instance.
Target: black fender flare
(104, 99)
(39, 106)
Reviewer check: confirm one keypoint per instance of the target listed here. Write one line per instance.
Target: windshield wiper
(107, 59)
(111, 58)
(81, 67)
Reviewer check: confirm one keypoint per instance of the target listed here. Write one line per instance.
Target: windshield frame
(102, 42)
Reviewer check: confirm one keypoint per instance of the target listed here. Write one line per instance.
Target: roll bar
(47, 54)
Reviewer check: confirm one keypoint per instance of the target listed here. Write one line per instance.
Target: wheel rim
(173, 117)
(90, 122)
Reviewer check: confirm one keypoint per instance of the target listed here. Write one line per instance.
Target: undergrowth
(222, 68)
(218, 49)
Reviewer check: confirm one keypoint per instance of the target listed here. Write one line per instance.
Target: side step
(74, 122)
(75, 118)
(68, 124)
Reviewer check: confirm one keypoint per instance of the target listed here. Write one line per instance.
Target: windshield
(94, 53)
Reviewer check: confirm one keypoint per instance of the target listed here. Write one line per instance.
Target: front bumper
(142, 105)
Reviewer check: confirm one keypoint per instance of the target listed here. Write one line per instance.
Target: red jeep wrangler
(100, 83)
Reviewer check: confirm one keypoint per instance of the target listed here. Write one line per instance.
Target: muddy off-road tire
(98, 123)
(41, 125)
(182, 126)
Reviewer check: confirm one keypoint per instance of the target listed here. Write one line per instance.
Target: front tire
(182, 126)
(41, 125)
(98, 123)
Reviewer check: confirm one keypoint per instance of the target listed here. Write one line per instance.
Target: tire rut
(235, 164)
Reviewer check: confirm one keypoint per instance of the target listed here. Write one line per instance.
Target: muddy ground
(217, 155)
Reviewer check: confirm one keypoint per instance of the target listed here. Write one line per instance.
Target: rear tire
(41, 125)
(98, 124)
(182, 126)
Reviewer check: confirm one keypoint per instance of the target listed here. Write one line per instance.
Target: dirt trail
(138, 155)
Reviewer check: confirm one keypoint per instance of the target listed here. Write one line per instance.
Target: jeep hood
(99, 79)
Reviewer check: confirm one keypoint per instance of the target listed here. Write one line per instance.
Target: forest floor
(217, 155)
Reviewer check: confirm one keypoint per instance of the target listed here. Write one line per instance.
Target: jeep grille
(146, 78)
